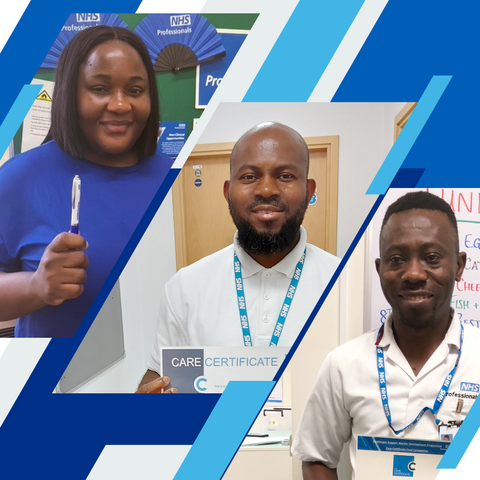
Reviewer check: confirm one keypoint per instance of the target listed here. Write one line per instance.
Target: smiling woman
(113, 103)
(105, 74)
(104, 129)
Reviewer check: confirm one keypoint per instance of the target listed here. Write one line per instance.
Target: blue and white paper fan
(179, 41)
(75, 24)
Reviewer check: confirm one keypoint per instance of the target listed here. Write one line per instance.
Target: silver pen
(75, 221)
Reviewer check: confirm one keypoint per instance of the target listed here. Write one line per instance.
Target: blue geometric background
(46, 435)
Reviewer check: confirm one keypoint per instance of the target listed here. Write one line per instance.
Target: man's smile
(416, 298)
(267, 212)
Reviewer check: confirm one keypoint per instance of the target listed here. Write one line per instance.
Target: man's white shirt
(201, 307)
(345, 402)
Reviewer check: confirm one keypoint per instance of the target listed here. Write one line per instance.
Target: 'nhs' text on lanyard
(282, 316)
(382, 380)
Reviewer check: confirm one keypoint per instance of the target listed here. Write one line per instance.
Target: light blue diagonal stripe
(224, 430)
(409, 135)
(462, 439)
(16, 114)
(303, 50)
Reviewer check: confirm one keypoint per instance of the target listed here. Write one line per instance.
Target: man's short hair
(279, 126)
(423, 201)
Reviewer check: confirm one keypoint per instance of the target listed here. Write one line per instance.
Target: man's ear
(226, 187)
(311, 188)
(461, 262)
(377, 265)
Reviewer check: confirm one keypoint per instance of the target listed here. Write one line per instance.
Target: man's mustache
(268, 201)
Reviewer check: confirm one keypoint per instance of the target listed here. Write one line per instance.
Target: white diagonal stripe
(171, 6)
(19, 358)
(148, 462)
(347, 51)
(9, 19)
(273, 16)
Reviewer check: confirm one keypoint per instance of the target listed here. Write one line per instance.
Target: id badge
(446, 431)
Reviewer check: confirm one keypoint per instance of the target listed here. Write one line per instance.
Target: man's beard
(268, 243)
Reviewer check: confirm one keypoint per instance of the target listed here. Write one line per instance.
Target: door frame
(329, 144)
(401, 118)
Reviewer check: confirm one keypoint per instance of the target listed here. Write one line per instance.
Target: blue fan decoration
(179, 41)
(75, 24)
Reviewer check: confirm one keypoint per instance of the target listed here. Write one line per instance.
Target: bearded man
(260, 290)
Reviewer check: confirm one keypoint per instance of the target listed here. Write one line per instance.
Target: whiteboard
(102, 347)
(466, 294)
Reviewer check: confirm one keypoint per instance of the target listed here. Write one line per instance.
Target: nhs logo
(88, 17)
(180, 20)
(470, 387)
(403, 465)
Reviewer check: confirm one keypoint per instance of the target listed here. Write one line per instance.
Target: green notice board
(176, 90)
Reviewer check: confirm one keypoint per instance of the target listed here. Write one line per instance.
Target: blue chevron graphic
(303, 51)
(410, 133)
(209, 458)
(17, 113)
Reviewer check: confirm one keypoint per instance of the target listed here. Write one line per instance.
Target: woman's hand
(60, 276)
(61, 273)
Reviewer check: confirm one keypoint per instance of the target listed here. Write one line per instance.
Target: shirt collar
(452, 337)
(286, 266)
(455, 330)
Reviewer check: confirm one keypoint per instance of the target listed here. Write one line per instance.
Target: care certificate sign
(209, 369)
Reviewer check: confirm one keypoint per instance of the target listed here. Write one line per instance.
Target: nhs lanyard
(382, 380)
(282, 316)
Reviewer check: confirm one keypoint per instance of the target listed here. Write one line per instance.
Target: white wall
(366, 135)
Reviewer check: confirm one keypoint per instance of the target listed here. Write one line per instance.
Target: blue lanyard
(382, 380)
(282, 316)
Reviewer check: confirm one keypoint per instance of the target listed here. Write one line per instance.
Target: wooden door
(202, 221)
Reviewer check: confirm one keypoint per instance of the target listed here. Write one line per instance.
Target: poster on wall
(172, 138)
(466, 293)
(37, 121)
(210, 75)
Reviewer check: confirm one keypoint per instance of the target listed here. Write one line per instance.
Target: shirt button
(266, 296)
(265, 319)
(267, 274)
